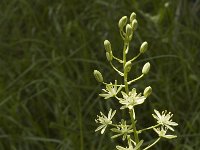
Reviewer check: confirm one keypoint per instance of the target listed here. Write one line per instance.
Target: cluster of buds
(130, 99)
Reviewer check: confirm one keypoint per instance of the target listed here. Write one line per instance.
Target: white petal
(172, 123)
(140, 100)
(157, 113)
(114, 112)
(103, 130)
(99, 128)
(169, 136)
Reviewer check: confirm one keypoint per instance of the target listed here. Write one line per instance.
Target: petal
(119, 89)
(169, 136)
(115, 136)
(103, 95)
(114, 112)
(172, 123)
(99, 128)
(109, 113)
(124, 95)
(140, 100)
(169, 127)
(157, 113)
(120, 148)
(155, 117)
(138, 145)
(133, 92)
(103, 130)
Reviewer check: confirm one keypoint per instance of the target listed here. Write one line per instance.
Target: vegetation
(48, 51)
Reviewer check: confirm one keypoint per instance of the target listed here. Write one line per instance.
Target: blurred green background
(49, 49)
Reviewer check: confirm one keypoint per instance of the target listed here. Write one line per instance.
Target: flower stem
(125, 73)
(134, 127)
(152, 144)
(140, 131)
(136, 79)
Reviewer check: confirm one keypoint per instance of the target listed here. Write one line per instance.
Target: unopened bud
(132, 16)
(147, 91)
(128, 66)
(98, 76)
(134, 24)
(143, 47)
(107, 46)
(129, 30)
(146, 68)
(122, 22)
(109, 56)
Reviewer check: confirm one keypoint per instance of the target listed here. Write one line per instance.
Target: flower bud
(132, 16)
(107, 46)
(146, 68)
(122, 22)
(134, 24)
(129, 30)
(147, 91)
(143, 47)
(98, 76)
(128, 66)
(109, 56)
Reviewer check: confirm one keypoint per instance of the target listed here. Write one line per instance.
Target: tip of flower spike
(132, 16)
(122, 22)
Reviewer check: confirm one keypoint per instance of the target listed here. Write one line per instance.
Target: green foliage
(48, 50)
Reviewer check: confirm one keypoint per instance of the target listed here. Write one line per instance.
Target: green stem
(152, 144)
(134, 128)
(140, 131)
(136, 79)
(114, 84)
(125, 50)
(119, 60)
(134, 58)
(125, 73)
(120, 73)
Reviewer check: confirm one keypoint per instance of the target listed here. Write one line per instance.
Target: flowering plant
(129, 99)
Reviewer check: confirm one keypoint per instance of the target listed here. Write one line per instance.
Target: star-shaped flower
(104, 121)
(122, 129)
(164, 119)
(132, 99)
(111, 90)
(162, 132)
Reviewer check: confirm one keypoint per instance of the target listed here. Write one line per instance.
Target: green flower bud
(98, 76)
(129, 30)
(143, 47)
(128, 66)
(109, 56)
(134, 24)
(147, 91)
(107, 46)
(132, 16)
(146, 68)
(122, 22)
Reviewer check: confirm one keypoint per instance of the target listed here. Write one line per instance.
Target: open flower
(130, 146)
(132, 99)
(122, 129)
(164, 119)
(104, 121)
(162, 132)
(111, 90)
